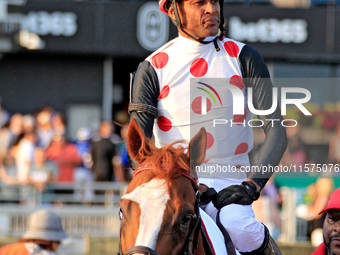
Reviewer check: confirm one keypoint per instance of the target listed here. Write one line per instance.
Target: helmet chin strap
(202, 40)
(178, 24)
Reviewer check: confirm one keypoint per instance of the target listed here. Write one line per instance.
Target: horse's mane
(167, 162)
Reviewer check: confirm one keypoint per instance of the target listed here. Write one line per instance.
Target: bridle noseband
(139, 250)
(191, 241)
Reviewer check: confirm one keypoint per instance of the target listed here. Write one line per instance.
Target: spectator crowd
(34, 149)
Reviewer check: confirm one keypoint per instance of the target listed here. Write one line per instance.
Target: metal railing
(96, 193)
(293, 229)
(97, 217)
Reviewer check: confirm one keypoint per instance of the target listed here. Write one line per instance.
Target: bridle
(191, 241)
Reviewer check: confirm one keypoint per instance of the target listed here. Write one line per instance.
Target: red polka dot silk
(196, 105)
(164, 93)
(160, 60)
(164, 124)
(199, 67)
(231, 48)
(185, 105)
(241, 148)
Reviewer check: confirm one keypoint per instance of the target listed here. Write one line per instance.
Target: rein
(194, 227)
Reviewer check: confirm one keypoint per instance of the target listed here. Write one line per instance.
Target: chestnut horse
(159, 212)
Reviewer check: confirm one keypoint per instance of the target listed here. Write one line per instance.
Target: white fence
(97, 217)
(293, 229)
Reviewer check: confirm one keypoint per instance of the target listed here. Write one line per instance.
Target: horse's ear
(135, 139)
(196, 151)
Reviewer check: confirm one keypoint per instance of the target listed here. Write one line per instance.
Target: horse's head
(158, 208)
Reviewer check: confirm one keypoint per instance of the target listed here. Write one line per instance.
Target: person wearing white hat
(43, 236)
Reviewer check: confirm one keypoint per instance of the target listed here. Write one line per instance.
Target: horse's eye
(120, 214)
(186, 220)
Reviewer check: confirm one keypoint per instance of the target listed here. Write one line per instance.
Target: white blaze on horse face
(152, 198)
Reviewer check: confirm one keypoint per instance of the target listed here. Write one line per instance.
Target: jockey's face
(200, 18)
(331, 231)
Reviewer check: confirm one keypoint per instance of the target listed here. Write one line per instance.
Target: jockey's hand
(244, 194)
(207, 194)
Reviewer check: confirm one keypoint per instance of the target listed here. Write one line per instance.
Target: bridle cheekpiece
(194, 227)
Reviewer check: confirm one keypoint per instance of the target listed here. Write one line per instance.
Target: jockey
(160, 89)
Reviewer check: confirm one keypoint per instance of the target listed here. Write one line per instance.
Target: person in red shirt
(65, 155)
(331, 227)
